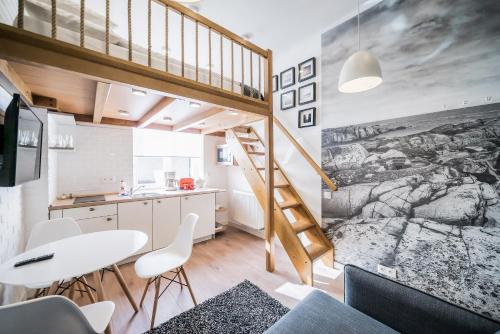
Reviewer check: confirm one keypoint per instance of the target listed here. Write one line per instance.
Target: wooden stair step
(264, 168)
(316, 250)
(257, 153)
(289, 204)
(242, 129)
(281, 185)
(246, 140)
(302, 225)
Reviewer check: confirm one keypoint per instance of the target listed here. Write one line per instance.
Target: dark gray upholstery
(408, 310)
(319, 313)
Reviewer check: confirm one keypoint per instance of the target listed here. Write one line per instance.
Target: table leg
(53, 288)
(100, 293)
(88, 290)
(124, 286)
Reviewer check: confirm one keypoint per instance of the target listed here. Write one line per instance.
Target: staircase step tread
(248, 140)
(257, 153)
(289, 204)
(316, 250)
(264, 168)
(302, 225)
(281, 185)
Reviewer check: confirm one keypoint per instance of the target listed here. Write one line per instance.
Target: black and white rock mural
(419, 193)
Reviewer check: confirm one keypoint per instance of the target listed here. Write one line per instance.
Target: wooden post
(269, 153)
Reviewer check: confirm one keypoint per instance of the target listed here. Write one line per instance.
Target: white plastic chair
(171, 258)
(48, 231)
(55, 315)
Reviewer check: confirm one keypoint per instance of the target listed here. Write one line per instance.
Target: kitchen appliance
(20, 144)
(170, 181)
(186, 183)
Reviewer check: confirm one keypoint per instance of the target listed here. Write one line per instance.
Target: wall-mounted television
(20, 144)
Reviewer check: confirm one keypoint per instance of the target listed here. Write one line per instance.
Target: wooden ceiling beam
(13, 83)
(45, 102)
(198, 118)
(101, 97)
(152, 115)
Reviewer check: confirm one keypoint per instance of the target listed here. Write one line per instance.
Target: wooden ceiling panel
(75, 94)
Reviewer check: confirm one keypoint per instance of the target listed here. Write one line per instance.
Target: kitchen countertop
(115, 198)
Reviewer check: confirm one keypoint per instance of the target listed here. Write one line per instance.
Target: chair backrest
(52, 314)
(183, 243)
(52, 230)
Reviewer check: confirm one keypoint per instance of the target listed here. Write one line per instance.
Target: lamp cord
(359, 34)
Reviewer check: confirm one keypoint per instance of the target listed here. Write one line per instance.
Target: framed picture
(307, 117)
(307, 69)
(275, 83)
(287, 77)
(288, 100)
(307, 93)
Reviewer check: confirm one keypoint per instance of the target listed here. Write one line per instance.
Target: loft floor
(214, 267)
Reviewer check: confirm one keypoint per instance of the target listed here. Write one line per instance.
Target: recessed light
(123, 112)
(167, 118)
(139, 92)
(234, 113)
(194, 104)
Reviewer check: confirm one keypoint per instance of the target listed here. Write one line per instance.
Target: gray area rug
(242, 309)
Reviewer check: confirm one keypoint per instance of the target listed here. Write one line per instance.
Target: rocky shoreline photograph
(421, 194)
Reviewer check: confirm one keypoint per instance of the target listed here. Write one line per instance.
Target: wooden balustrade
(217, 79)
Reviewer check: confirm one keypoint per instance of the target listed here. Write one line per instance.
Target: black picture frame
(290, 83)
(312, 99)
(312, 114)
(275, 83)
(283, 107)
(303, 66)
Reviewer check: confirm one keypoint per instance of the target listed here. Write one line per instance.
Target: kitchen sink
(140, 195)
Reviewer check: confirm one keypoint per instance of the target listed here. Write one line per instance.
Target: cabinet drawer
(98, 224)
(54, 214)
(91, 211)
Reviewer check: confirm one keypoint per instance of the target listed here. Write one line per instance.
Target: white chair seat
(98, 314)
(158, 262)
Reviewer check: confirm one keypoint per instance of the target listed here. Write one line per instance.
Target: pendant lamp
(361, 71)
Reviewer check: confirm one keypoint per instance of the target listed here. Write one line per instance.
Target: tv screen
(21, 138)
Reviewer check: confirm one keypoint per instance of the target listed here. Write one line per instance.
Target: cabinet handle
(109, 219)
(145, 203)
(92, 209)
(158, 202)
(186, 198)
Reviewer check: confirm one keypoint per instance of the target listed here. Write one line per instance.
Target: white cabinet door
(137, 216)
(98, 224)
(204, 206)
(166, 219)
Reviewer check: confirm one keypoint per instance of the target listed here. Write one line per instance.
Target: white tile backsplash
(102, 157)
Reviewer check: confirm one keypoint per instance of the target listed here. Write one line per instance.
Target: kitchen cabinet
(98, 224)
(166, 220)
(137, 215)
(204, 206)
(86, 212)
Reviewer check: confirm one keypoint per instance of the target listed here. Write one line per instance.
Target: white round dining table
(73, 257)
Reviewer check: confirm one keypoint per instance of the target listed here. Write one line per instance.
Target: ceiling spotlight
(167, 118)
(123, 112)
(139, 92)
(194, 104)
(234, 113)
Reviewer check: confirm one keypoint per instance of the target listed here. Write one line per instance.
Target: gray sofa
(374, 304)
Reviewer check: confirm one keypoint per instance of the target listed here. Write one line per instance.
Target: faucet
(134, 190)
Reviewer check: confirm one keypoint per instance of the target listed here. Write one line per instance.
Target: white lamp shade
(360, 72)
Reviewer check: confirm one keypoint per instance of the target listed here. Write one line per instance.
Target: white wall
(103, 156)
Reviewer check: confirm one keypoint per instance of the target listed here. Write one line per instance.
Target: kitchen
(111, 178)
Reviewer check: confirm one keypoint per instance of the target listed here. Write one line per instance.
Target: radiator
(246, 210)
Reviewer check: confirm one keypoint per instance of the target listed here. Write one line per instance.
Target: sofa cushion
(408, 310)
(319, 313)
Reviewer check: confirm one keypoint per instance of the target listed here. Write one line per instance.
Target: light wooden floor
(215, 266)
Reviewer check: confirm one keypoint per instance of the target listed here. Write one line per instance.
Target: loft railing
(244, 68)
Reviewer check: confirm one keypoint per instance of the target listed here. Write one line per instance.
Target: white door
(166, 220)
(204, 206)
(137, 216)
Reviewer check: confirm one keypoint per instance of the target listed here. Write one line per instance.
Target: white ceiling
(278, 24)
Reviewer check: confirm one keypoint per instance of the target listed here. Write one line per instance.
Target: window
(157, 152)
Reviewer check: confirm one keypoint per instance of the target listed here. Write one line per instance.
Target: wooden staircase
(292, 218)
